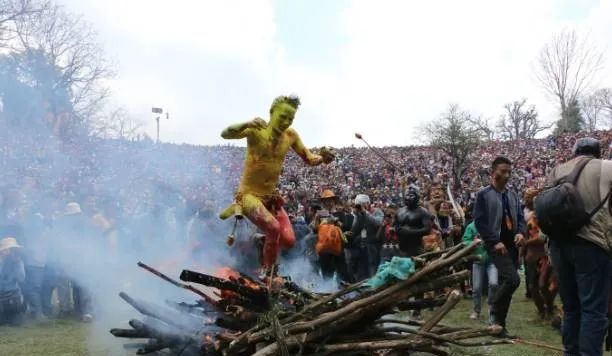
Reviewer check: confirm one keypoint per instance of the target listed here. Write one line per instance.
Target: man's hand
(500, 248)
(519, 239)
(257, 123)
(327, 154)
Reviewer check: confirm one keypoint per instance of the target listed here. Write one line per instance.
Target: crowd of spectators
(134, 194)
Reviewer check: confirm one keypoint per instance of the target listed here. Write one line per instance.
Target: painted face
(501, 174)
(412, 197)
(282, 116)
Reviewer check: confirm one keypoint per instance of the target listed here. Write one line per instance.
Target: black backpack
(560, 209)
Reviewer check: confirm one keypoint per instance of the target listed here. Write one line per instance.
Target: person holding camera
(12, 274)
(364, 247)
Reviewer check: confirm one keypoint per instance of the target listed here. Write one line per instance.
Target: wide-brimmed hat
(327, 194)
(72, 209)
(8, 243)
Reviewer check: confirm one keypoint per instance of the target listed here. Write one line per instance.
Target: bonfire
(237, 314)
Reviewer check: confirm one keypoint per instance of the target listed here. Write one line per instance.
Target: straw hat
(72, 209)
(8, 243)
(327, 194)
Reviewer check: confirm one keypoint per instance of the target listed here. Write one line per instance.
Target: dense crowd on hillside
(132, 194)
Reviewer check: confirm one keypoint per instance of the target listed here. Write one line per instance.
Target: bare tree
(118, 124)
(566, 69)
(70, 45)
(593, 110)
(456, 135)
(520, 122)
(483, 125)
(604, 97)
(13, 11)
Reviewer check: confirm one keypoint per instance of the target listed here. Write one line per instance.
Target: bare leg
(287, 236)
(259, 215)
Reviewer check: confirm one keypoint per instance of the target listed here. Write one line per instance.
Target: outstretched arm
(299, 148)
(242, 130)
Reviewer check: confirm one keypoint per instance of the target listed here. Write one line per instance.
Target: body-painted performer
(257, 197)
(413, 222)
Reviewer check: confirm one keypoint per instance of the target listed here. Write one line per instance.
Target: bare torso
(264, 161)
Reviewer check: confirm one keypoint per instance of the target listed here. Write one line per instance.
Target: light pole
(159, 111)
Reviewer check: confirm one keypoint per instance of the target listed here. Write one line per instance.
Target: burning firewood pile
(248, 316)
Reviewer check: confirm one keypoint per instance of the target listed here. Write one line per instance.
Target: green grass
(523, 321)
(69, 338)
(57, 338)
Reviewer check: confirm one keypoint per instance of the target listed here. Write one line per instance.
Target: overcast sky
(377, 67)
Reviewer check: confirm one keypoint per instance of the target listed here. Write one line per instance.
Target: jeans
(373, 253)
(584, 285)
(363, 261)
(35, 277)
(508, 281)
(479, 272)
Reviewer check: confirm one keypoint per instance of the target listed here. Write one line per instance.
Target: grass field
(69, 338)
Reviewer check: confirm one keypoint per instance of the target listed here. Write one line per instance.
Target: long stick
(453, 299)
(380, 155)
(537, 344)
(206, 297)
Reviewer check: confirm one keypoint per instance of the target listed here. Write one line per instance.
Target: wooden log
(314, 331)
(355, 317)
(257, 296)
(154, 345)
(233, 324)
(130, 333)
(454, 297)
(421, 304)
(446, 339)
(295, 288)
(399, 344)
(385, 296)
(439, 328)
(156, 331)
(168, 316)
(242, 341)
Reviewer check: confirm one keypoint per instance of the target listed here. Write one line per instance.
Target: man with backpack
(575, 214)
(329, 224)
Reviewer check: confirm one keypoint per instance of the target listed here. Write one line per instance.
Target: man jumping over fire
(257, 197)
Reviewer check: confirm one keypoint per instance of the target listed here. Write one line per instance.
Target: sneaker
(474, 316)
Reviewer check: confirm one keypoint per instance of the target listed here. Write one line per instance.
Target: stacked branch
(245, 317)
